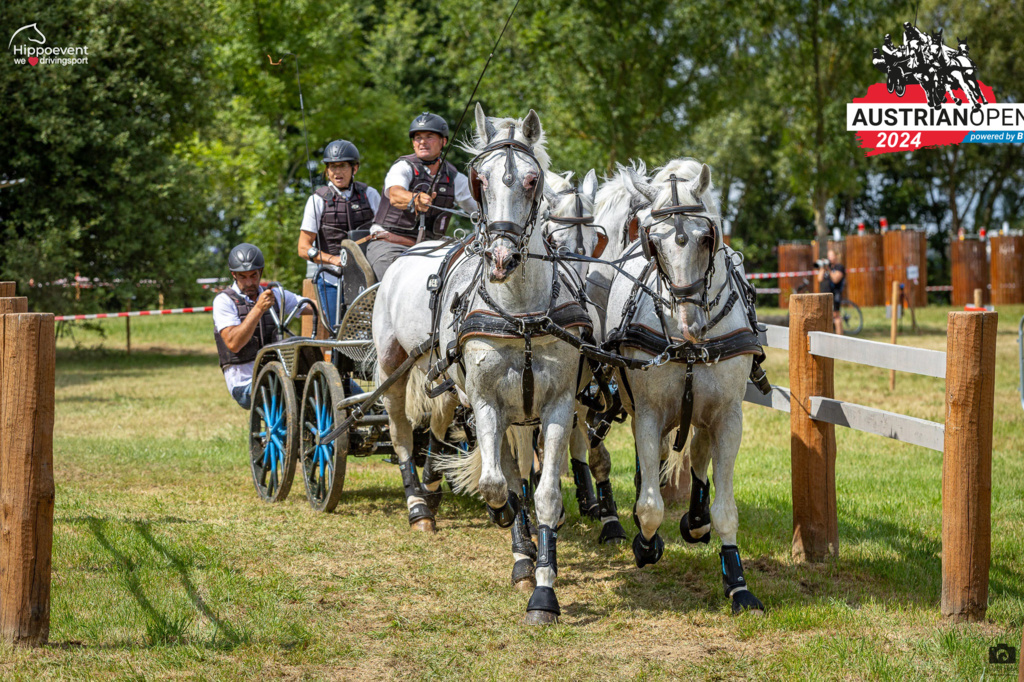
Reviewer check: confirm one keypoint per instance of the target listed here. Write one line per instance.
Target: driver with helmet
(242, 323)
(332, 213)
(397, 222)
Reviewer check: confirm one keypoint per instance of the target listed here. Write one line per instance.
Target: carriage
(305, 386)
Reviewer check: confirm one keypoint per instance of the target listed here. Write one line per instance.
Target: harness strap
(685, 411)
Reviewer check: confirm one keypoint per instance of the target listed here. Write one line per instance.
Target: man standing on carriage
(242, 321)
(332, 213)
(406, 200)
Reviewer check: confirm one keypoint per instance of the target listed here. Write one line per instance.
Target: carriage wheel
(901, 88)
(273, 433)
(890, 84)
(323, 466)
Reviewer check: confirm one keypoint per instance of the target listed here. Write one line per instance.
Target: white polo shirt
(225, 315)
(400, 174)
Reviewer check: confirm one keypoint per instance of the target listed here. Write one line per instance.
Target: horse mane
(685, 169)
(614, 196)
(565, 204)
(475, 144)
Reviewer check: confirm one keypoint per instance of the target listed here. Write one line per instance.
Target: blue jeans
(243, 395)
(327, 291)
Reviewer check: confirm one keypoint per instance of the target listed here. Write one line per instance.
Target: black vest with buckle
(400, 221)
(341, 215)
(265, 333)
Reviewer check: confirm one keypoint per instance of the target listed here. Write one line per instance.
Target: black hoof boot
(543, 607)
(586, 500)
(421, 518)
(744, 600)
(505, 516)
(699, 514)
(647, 551)
(734, 583)
(431, 476)
(523, 575)
(611, 530)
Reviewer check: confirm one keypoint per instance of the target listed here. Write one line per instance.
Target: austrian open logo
(29, 46)
(932, 96)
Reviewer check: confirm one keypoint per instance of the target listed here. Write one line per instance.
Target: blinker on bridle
(579, 220)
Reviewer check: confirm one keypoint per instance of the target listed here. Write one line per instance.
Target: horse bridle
(519, 235)
(578, 221)
(695, 292)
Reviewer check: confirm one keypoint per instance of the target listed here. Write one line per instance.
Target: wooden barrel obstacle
(27, 354)
(1007, 255)
(965, 439)
(970, 271)
(905, 255)
(865, 279)
(794, 257)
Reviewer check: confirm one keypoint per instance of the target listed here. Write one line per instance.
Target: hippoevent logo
(28, 45)
(932, 96)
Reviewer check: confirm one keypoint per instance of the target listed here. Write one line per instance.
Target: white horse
(488, 310)
(694, 293)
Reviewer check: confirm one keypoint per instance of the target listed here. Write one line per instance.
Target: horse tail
(462, 469)
(417, 403)
(521, 440)
(678, 463)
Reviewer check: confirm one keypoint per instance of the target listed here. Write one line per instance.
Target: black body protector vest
(341, 216)
(400, 221)
(264, 334)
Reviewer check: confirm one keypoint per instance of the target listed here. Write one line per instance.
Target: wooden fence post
(967, 464)
(812, 443)
(7, 289)
(895, 304)
(14, 304)
(27, 353)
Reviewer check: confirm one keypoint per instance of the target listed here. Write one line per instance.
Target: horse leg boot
(421, 517)
(695, 526)
(724, 447)
(543, 608)
(524, 552)
(649, 510)
(611, 529)
(586, 500)
(432, 476)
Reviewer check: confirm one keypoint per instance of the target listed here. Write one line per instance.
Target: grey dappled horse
(680, 241)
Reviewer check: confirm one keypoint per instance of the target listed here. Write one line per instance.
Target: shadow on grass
(161, 628)
(880, 560)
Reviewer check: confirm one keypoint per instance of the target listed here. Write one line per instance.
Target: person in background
(832, 278)
(332, 212)
(242, 322)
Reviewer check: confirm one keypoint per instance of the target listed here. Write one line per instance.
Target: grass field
(166, 565)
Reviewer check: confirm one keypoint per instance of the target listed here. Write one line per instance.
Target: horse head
(569, 217)
(507, 180)
(680, 230)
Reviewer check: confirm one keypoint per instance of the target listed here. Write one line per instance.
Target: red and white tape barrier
(806, 273)
(134, 313)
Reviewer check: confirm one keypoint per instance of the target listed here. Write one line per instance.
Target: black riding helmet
(244, 258)
(341, 150)
(428, 123)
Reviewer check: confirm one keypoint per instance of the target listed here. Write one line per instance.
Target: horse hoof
(612, 533)
(540, 618)
(744, 600)
(424, 526)
(687, 532)
(526, 585)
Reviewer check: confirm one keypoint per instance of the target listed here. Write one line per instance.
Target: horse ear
(589, 184)
(484, 130)
(701, 182)
(531, 127)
